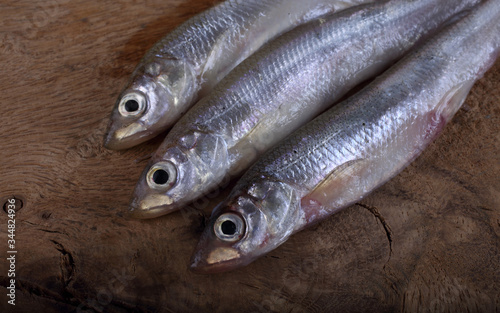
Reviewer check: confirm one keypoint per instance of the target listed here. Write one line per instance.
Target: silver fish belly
(188, 62)
(353, 148)
(282, 86)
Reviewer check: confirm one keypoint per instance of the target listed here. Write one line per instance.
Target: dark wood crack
(386, 226)
(67, 264)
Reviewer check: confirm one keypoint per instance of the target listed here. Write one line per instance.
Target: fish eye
(229, 227)
(162, 175)
(132, 104)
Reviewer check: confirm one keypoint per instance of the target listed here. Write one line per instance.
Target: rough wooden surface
(426, 241)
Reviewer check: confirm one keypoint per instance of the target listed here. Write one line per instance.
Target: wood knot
(15, 203)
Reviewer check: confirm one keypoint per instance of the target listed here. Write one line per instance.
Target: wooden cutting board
(426, 241)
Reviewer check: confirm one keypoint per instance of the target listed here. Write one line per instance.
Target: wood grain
(426, 241)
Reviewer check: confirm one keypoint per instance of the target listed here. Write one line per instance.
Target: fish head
(180, 172)
(245, 226)
(159, 91)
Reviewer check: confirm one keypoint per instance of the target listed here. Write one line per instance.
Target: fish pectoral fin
(178, 78)
(342, 185)
(212, 70)
(433, 122)
(453, 100)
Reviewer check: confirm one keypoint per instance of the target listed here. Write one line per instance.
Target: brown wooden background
(426, 241)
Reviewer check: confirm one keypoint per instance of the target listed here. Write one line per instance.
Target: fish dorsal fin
(342, 185)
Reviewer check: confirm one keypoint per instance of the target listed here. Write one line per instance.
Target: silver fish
(353, 148)
(282, 86)
(187, 63)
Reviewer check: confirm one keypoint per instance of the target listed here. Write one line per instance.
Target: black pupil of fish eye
(160, 177)
(228, 228)
(131, 105)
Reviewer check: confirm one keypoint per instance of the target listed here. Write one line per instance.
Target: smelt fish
(345, 153)
(279, 88)
(188, 62)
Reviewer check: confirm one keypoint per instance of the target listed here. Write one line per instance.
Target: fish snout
(123, 137)
(151, 206)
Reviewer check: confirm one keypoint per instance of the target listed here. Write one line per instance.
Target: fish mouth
(151, 206)
(119, 137)
(217, 261)
(215, 257)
